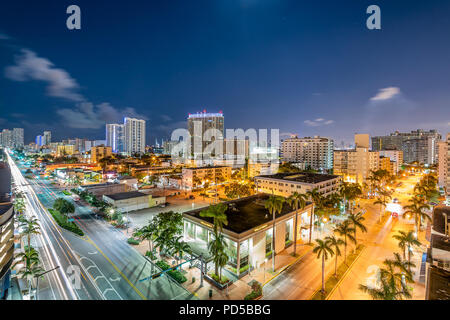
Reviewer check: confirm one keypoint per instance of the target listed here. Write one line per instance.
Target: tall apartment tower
(316, 152)
(17, 137)
(47, 138)
(355, 165)
(417, 146)
(134, 135)
(115, 137)
(201, 123)
(442, 163)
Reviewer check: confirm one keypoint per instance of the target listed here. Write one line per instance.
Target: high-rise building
(134, 135)
(316, 152)
(204, 128)
(47, 138)
(6, 138)
(115, 137)
(443, 156)
(417, 146)
(17, 138)
(39, 140)
(395, 156)
(355, 165)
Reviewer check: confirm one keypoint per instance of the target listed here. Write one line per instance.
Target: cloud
(318, 122)
(4, 36)
(386, 94)
(86, 115)
(29, 67)
(165, 117)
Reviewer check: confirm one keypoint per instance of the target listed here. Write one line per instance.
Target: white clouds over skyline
(386, 94)
(318, 122)
(29, 66)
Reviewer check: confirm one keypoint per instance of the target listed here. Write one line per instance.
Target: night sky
(304, 67)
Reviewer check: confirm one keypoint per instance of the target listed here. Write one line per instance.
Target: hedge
(64, 223)
(175, 274)
(133, 241)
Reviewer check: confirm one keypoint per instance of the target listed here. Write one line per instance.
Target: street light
(265, 262)
(40, 275)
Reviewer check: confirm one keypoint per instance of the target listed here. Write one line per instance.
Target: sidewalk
(240, 288)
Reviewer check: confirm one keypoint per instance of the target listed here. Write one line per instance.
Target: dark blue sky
(305, 67)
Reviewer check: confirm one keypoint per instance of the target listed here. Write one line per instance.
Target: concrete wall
(280, 233)
(258, 250)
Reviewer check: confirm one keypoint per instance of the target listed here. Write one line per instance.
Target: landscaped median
(64, 222)
(342, 270)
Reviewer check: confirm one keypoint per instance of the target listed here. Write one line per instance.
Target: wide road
(113, 267)
(380, 246)
(302, 279)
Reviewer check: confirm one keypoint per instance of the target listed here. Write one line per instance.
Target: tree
(297, 201)
(63, 206)
(217, 248)
(322, 250)
(382, 200)
(29, 227)
(169, 225)
(345, 230)
(274, 205)
(180, 247)
(415, 208)
(30, 258)
(357, 222)
(217, 212)
(392, 281)
(335, 243)
(315, 197)
(148, 232)
(406, 241)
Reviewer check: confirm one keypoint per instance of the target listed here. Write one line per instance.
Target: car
(395, 200)
(394, 215)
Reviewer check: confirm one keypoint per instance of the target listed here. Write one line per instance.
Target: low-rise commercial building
(100, 152)
(248, 234)
(134, 200)
(100, 189)
(285, 184)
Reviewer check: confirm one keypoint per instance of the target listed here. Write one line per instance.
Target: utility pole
(40, 275)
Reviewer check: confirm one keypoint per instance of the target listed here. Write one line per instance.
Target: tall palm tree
(406, 241)
(323, 250)
(217, 212)
(316, 198)
(382, 200)
(180, 248)
(217, 248)
(29, 227)
(19, 204)
(30, 258)
(335, 243)
(148, 232)
(297, 201)
(345, 230)
(356, 221)
(274, 205)
(416, 208)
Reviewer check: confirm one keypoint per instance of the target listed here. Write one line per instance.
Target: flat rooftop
(439, 218)
(98, 185)
(244, 214)
(126, 195)
(302, 177)
(440, 242)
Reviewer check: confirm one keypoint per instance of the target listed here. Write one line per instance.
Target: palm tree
(406, 240)
(217, 212)
(415, 208)
(274, 205)
(335, 243)
(323, 249)
(19, 204)
(30, 258)
(148, 232)
(392, 283)
(29, 227)
(345, 230)
(217, 248)
(382, 200)
(357, 222)
(179, 248)
(315, 197)
(296, 201)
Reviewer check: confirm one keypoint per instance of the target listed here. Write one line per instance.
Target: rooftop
(126, 195)
(244, 214)
(303, 177)
(207, 167)
(440, 242)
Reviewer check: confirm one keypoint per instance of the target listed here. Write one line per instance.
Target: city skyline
(288, 66)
